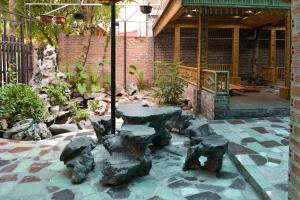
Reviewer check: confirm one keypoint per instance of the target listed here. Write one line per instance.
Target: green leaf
(133, 67)
(81, 88)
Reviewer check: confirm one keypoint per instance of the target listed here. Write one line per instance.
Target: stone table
(160, 118)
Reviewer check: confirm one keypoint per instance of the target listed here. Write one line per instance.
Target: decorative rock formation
(102, 127)
(45, 73)
(62, 128)
(77, 155)
(28, 130)
(212, 147)
(197, 128)
(160, 119)
(130, 155)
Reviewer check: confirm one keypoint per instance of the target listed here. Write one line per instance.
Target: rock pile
(27, 130)
(45, 73)
(130, 156)
(77, 156)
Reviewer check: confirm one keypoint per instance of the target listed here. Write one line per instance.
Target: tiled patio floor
(261, 149)
(32, 171)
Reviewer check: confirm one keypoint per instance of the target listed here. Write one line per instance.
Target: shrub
(77, 112)
(18, 102)
(57, 92)
(139, 75)
(83, 80)
(170, 84)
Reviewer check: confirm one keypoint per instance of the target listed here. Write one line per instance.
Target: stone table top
(143, 111)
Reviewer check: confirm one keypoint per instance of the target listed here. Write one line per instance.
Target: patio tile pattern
(32, 171)
(260, 149)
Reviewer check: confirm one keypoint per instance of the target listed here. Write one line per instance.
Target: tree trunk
(12, 18)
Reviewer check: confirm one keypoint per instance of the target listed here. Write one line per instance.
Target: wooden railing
(216, 82)
(190, 73)
(274, 74)
(219, 67)
(280, 74)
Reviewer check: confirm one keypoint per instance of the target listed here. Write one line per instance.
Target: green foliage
(13, 74)
(83, 80)
(18, 102)
(47, 33)
(94, 105)
(57, 92)
(139, 75)
(77, 112)
(171, 84)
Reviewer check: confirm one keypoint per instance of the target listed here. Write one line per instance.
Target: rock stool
(212, 147)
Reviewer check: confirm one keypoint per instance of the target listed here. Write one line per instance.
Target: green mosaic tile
(257, 147)
(233, 194)
(259, 178)
(27, 189)
(6, 188)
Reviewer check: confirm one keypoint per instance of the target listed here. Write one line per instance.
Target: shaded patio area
(36, 174)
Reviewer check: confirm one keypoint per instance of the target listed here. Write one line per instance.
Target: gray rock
(102, 127)
(77, 155)
(129, 154)
(197, 128)
(212, 147)
(132, 139)
(85, 124)
(28, 130)
(160, 118)
(120, 168)
(62, 128)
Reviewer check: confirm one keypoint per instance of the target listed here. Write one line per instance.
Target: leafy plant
(94, 84)
(18, 102)
(57, 92)
(77, 112)
(13, 74)
(139, 75)
(94, 105)
(171, 84)
(83, 80)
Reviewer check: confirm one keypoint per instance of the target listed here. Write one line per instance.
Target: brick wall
(139, 53)
(294, 163)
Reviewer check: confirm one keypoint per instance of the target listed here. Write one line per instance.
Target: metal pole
(113, 68)
(125, 55)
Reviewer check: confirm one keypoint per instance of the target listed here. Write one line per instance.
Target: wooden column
(235, 79)
(177, 44)
(285, 91)
(202, 47)
(272, 56)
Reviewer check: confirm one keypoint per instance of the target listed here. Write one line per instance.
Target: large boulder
(212, 147)
(158, 118)
(28, 130)
(62, 128)
(77, 156)
(129, 152)
(120, 168)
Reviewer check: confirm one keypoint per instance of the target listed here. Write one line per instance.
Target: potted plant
(78, 15)
(146, 9)
(46, 18)
(59, 19)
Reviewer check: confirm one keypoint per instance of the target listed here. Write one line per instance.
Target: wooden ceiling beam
(168, 14)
